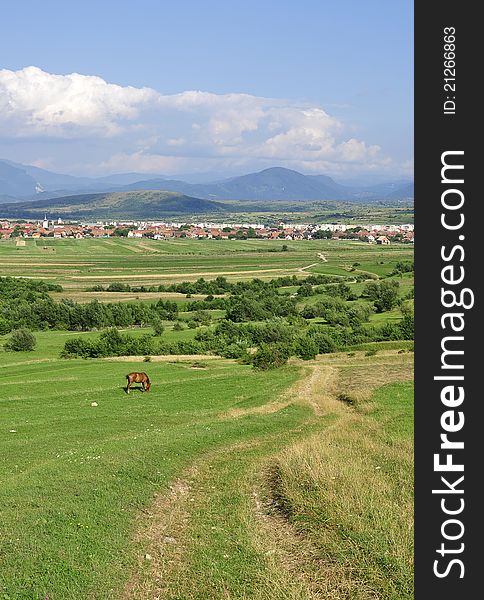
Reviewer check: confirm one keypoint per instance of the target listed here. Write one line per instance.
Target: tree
(157, 325)
(321, 235)
(17, 231)
(118, 286)
(383, 293)
(21, 340)
(305, 290)
(388, 296)
(120, 232)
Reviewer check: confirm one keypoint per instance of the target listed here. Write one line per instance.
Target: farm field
(79, 264)
(291, 483)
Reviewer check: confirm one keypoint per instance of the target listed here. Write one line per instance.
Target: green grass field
(79, 481)
(222, 481)
(75, 475)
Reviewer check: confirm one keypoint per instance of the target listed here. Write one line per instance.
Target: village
(48, 228)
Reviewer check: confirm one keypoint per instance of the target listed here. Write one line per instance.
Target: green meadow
(221, 482)
(76, 475)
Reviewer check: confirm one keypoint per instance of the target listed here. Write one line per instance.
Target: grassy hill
(148, 204)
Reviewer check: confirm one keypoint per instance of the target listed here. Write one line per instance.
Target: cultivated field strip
(78, 264)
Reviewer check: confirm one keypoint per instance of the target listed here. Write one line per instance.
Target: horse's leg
(127, 387)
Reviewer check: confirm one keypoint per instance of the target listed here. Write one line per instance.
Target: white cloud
(112, 127)
(36, 103)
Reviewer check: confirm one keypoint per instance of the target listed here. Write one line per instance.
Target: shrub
(233, 351)
(202, 317)
(407, 326)
(306, 347)
(21, 340)
(118, 286)
(81, 347)
(309, 312)
(113, 341)
(324, 341)
(270, 356)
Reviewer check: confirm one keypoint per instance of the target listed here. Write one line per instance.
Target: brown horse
(138, 378)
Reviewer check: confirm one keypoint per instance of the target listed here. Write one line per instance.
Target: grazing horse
(138, 378)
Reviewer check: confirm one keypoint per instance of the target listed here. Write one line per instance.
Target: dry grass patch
(296, 568)
(359, 375)
(349, 490)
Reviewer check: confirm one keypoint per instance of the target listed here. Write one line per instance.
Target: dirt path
(186, 275)
(302, 269)
(293, 568)
(162, 528)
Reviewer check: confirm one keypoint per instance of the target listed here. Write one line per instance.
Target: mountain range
(23, 183)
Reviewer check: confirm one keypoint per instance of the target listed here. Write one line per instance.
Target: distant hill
(402, 192)
(16, 181)
(275, 183)
(23, 182)
(50, 181)
(149, 204)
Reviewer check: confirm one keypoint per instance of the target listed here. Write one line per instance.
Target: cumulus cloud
(139, 128)
(36, 103)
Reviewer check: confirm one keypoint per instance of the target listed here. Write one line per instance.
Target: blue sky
(353, 60)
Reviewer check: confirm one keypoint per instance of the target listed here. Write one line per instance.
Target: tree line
(264, 345)
(219, 285)
(26, 303)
